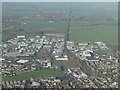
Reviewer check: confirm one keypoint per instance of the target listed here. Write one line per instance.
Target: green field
(35, 74)
(106, 34)
(78, 32)
(117, 79)
(89, 21)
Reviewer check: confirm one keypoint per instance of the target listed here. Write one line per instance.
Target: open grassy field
(104, 33)
(89, 21)
(35, 74)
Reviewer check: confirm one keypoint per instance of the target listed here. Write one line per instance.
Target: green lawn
(35, 74)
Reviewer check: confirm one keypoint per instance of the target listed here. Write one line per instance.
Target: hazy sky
(59, 0)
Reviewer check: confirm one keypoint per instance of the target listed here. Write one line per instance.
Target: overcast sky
(59, 0)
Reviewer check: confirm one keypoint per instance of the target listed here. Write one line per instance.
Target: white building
(20, 36)
(22, 61)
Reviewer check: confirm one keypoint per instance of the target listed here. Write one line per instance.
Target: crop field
(89, 21)
(35, 74)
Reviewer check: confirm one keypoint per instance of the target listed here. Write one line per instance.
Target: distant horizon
(60, 0)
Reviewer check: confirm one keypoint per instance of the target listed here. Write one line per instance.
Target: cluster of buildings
(43, 83)
(83, 79)
(25, 54)
(105, 72)
(19, 55)
(58, 49)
